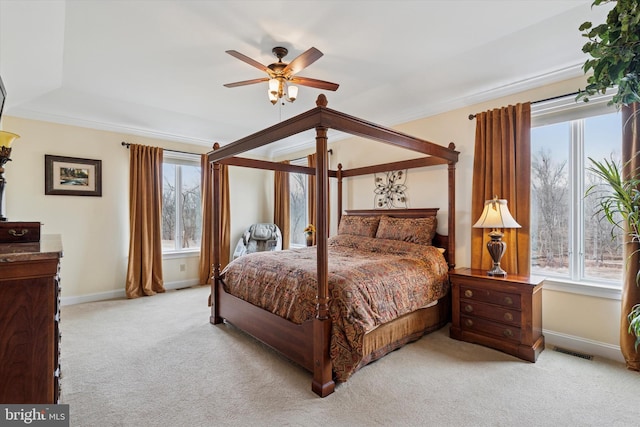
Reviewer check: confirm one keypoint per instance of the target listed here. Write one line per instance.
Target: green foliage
(634, 323)
(613, 47)
(620, 205)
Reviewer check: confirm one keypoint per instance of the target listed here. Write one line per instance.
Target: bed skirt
(408, 328)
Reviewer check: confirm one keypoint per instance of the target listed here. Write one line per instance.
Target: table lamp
(496, 215)
(6, 138)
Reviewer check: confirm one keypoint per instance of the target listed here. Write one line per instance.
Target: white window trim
(189, 253)
(302, 161)
(583, 288)
(189, 159)
(540, 113)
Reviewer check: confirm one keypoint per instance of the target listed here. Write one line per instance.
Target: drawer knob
(468, 308)
(468, 322)
(508, 317)
(468, 293)
(507, 333)
(508, 300)
(16, 233)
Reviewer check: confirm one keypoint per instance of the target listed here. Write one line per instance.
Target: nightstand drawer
(488, 295)
(499, 330)
(491, 312)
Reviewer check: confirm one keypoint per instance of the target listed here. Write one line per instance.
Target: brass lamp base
(5, 152)
(496, 248)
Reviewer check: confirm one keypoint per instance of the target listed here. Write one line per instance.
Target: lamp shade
(274, 86)
(496, 215)
(6, 138)
(292, 93)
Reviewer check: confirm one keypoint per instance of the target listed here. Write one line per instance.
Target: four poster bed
(377, 285)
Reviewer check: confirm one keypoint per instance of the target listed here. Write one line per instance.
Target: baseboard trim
(120, 294)
(582, 345)
(181, 284)
(552, 338)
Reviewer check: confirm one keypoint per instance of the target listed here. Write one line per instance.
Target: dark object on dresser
(19, 232)
(502, 313)
(29, 315)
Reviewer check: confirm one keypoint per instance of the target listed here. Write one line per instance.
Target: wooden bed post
(339, 207)
(309, 343)
(215, 268)
(452, 211)
(322, 384)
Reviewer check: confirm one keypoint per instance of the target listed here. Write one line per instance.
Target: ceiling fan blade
(319, 84)
(304, 60)
(247, 82)
(252, 62)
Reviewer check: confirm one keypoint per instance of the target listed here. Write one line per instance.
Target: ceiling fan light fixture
(273, 97)
(292, 93)
(281, 73)
(274, 86)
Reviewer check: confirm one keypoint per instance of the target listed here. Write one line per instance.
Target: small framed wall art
(70, 176)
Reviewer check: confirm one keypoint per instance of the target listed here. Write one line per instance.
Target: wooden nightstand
(504, 313)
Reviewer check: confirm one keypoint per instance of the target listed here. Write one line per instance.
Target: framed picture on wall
(70, 176)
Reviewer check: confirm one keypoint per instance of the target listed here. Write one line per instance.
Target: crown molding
(109, 127)
(530, 83)
(420, 112)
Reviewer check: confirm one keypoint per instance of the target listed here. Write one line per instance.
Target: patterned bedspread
(371, 282)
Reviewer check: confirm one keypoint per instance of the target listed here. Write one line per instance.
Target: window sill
(583, 288)
(181, 254)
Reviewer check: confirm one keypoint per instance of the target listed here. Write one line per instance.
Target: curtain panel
(282, 214)
(502, 167)
(206, 245)
(630, 289)
(144, 270)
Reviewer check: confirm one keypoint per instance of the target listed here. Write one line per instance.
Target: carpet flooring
(157, 361)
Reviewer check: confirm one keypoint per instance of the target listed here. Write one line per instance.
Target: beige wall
(95, 230)
(569, 319)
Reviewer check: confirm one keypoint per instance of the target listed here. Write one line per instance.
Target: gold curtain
(630, 289)
(282, 214)
(502, 167)
(144, 271)
(206, 245)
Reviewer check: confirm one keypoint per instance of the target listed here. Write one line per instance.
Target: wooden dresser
(504, 313)
(29, 317)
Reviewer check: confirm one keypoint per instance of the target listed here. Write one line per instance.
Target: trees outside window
(568, 239)
(298, 208)
(181, 203)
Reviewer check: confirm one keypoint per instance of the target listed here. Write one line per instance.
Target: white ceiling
(157, 68)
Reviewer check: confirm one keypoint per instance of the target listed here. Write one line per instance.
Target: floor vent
(573, 353)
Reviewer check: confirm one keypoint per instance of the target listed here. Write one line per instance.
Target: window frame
(299, 162)
(566, 109)
(180, 159)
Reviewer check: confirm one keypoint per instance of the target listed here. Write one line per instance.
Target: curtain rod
(473, 116)
(126, 145)
(330, 151)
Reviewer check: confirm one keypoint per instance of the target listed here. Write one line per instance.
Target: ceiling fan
(282, 75)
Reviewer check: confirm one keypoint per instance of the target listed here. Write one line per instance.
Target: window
(298, 207)
(568, 240)
(181, 213)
